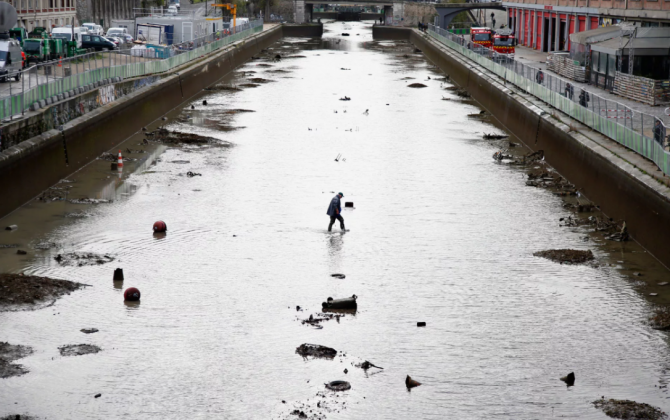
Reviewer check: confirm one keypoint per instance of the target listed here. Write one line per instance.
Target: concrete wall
(605, 179)
(106, 10)
(303, 31)
(38, 163)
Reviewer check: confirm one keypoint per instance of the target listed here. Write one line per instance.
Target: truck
(36, 50)
(503, 42)
(482, 36)
(65, 34)
(18, 34)
(11, 62)
(56, 48)
(38, 32)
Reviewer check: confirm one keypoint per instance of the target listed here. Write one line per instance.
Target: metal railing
(640, 132)
(46, 81)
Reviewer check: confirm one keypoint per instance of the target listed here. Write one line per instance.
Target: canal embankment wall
(97, 120)
(625, 185)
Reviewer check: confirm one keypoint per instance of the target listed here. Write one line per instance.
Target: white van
(66, 34)
(93, 29)
(11, 61)
(117, 32)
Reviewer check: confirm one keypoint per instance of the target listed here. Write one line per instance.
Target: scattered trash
(420, 324)
(181, 162)
(346, 371)
(338, 385)
(495, 136)
(11, 227)
(223, 87)
(653, 294)
(165, 136)
(345, 34)
(78, 349)
(19, 289)
(89, 330)
(411, 383)
(638, 274)
(346, 303)
(338, 275)
(417, 85)
(132, 294)
(260, 80)
(349, 204)
(160, 226)
(98, 395)
(345, 98)
(315, 350)
(87, 200)
(367, 365)
(626, 409)
(192, 174)
(249, 85)
(664, 283)
(21, 252)
(204, 102)
(316, 321)
(568, 256)
(569, 379)
(81, 259)
(118, 274)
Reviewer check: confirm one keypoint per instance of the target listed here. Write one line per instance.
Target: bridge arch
(447, 12)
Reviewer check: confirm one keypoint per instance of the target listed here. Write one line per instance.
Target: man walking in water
(335, 212)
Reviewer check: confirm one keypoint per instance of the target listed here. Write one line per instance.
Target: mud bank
(622, 190)
(84, 138)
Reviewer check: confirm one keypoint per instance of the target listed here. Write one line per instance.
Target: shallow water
(439, 233)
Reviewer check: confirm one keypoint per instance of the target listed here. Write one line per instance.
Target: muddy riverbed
(439, 232)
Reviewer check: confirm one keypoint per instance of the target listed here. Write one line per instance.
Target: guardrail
(640, 132)
(64, 77)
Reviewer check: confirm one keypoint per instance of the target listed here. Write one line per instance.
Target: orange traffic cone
(120, 164)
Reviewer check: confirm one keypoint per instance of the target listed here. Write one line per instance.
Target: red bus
(482, 36)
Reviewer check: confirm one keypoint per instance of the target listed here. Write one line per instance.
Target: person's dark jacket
(335, 207)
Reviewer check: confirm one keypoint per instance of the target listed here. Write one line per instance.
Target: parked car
(11, 61)
(99, 43)
(177, 5)
(116, 32)
(127, 38)
(93, 29)
(172, 10)
(114, 40)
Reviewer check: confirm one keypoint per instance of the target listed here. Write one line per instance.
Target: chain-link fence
(54, 80)
(643, 133)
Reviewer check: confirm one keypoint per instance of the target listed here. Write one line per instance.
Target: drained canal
(439, 233)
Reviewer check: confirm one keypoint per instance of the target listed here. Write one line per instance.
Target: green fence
(16, 104)
(555, 92)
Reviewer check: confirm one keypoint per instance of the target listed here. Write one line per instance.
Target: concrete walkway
(538, 59)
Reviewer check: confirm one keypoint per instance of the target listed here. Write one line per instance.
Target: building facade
(546, 25)
(45, 13)
(103, 11)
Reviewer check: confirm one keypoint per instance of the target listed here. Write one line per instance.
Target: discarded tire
(346, 303)
(160, 226)
(338, 385)
(132, 294)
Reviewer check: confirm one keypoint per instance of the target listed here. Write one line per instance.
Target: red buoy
(132, 294)
(160, 226)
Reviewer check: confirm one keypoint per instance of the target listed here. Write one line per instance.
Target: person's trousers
(332, 222)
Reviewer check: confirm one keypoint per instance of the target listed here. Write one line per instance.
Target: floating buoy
(160, 226)
(120, 162)
(132, 294)
(118, 274)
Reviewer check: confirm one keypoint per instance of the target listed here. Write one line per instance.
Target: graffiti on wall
(106, 95)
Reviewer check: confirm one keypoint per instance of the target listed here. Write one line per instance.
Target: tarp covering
(596, 35)
(642, 46)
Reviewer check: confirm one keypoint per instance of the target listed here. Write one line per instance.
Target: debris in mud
(660, 318)
(78, 349)
(338, 386)
(346, 303)
(278, 71)
(264, 65)
(367, 365)
(315, 350)
(10, 353)
(494, 136)
(260, 80)
(569, 379)
(87, 200)
(77, 214)
(345, 98)
(325, 402)
(321, 317)
(462, 93)
(481, 114)
(5, 246)
(181, 161)
(81, 259)
(19, 417)
(626, 409)
(417, 85)
(176, 137)
(192, 174)
(237, 111)
(342, 68)
(21, 252)
(19, 289)
(411, 383)
(338, 275)
(223, 87)
(567, 256)
(54, 194)
(89, 330)
(249, 85)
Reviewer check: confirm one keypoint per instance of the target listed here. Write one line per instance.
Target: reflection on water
(440, 234)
